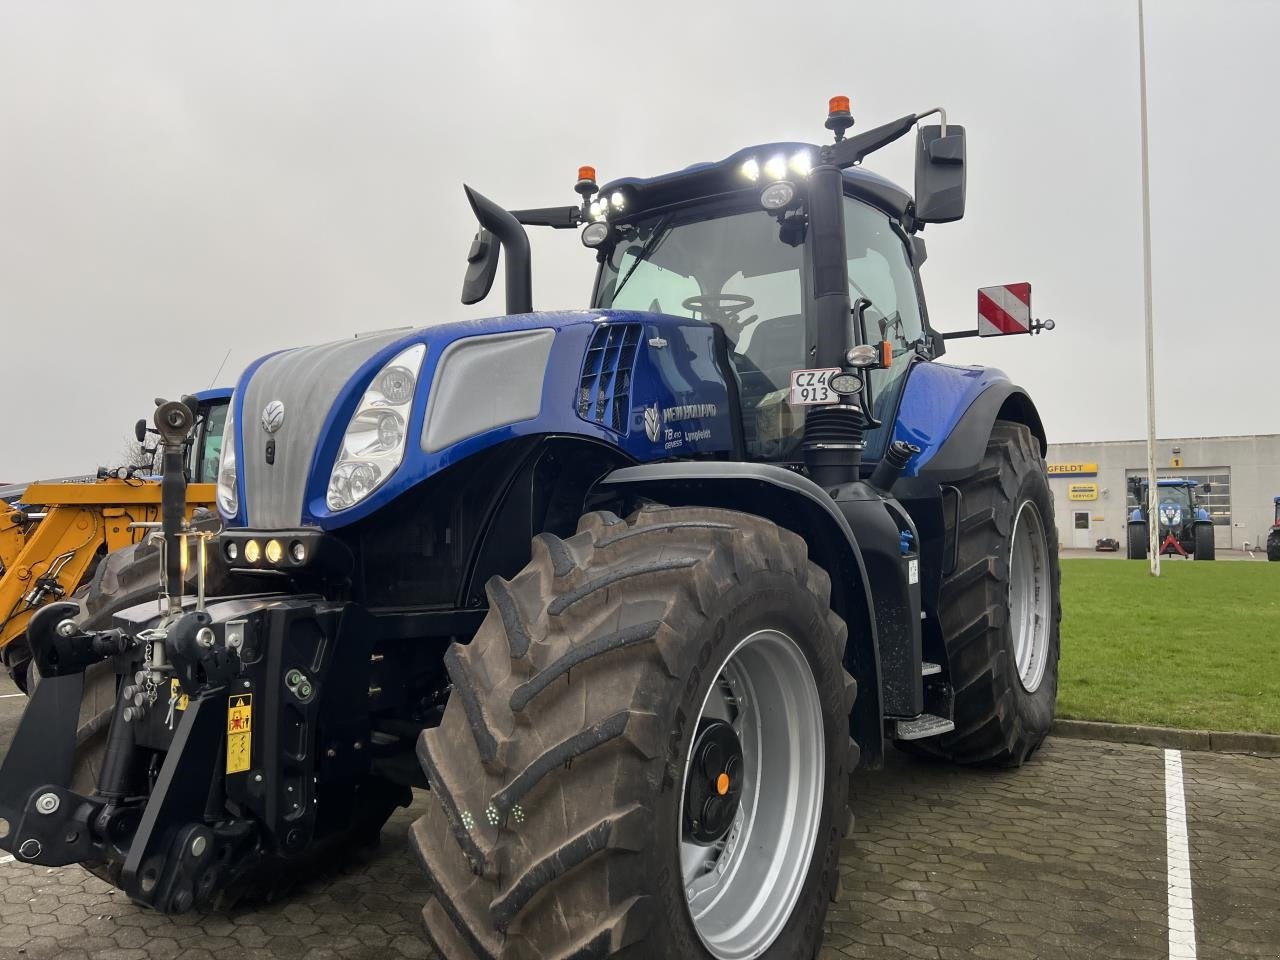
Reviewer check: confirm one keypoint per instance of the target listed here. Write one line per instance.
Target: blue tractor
(634, 590)
(1273, 535)
(1184, 526)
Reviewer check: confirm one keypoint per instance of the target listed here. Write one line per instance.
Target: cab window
(210, 443)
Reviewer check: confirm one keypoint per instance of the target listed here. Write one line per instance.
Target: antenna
(218, 373)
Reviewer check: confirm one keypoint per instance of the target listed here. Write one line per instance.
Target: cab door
(881, 272)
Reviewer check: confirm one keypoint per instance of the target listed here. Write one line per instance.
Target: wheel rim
(1029, 593)
(742, 888)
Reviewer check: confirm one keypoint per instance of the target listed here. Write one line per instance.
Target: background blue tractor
(1273, 536)
(1184, 525)
(632, 590)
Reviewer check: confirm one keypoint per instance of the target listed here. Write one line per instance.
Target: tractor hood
(594, 374)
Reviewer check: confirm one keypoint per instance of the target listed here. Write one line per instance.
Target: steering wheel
(723, 308)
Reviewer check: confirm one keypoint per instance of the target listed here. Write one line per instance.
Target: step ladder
(927, 724)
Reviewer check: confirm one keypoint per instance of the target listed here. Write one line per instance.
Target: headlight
(595, 233)
(845, 383)
(778, 195)
(373, 444)
(228, 494)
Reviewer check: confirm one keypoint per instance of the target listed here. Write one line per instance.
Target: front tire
(1000, 608)
(1205, 547)
(562, 768)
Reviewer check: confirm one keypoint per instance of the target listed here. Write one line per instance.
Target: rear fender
(799, 505)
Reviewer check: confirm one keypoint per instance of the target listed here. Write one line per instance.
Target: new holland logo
(272, 416)
(658, 421)
(652, 423)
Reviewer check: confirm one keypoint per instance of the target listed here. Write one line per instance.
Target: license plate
(809, 387)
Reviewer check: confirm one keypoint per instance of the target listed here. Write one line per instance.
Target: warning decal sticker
(180, 700)
(239, 732)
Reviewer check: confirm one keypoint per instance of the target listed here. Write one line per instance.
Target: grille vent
(604, 393)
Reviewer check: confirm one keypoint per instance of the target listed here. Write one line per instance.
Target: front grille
(604, 392)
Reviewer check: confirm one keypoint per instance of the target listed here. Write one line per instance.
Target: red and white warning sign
(1004, 309)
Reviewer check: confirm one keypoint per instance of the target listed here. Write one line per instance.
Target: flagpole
(1153, 517)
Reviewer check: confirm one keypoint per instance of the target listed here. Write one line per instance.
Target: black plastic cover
(940, 174)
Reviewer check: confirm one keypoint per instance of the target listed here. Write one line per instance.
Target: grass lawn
(1199, 647)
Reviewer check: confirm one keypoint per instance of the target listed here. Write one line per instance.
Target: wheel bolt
(48, 803)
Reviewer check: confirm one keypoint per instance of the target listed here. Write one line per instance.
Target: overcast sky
(181, 180)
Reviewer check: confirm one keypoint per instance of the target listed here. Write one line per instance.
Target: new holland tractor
(1273, 535)
(55, 534)
(1185, 528)
(633, 591)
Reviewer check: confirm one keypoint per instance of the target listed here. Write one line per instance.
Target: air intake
(604, 393)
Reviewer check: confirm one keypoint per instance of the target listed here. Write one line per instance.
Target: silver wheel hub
(751, 800)
(1029, 596)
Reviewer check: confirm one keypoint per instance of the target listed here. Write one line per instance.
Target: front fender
(949, 412)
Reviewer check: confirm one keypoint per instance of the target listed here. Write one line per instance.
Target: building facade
(1091, 489)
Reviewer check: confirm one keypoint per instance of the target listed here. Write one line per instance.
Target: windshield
(741, 270)
(1178, 495)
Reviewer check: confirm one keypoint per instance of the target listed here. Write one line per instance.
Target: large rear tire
(1000, 608)
(131, 576)
(1205, 547)
(562, 771)
(1273, 545)
(1139, 542)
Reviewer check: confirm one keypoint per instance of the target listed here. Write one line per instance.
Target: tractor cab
(743, 259)
(805, 263)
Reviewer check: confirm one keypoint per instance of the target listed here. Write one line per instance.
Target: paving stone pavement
(1064, 858)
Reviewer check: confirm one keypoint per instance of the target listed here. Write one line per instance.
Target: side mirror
(1207, 487)
(940, 174)
(140, 431)
(482, 267)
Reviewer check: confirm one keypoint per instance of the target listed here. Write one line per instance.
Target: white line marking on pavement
(1182, 922)
(4, 860)
(10, 696)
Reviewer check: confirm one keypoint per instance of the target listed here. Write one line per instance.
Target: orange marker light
(886, 354)
(586, 173)
(722, 784)
(838, 105)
